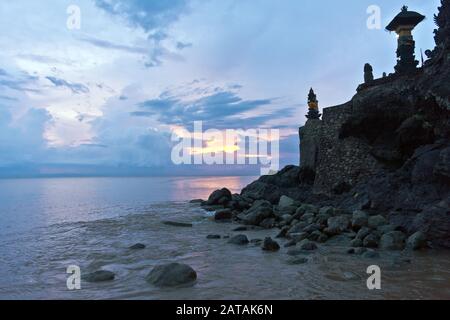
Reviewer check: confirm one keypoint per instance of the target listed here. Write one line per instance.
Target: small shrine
(313, 104)
(403, 24)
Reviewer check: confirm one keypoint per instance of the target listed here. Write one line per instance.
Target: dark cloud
(220, 109)
(20, 83)
(76, 88)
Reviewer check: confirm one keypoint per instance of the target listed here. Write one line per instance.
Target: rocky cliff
(387, 150)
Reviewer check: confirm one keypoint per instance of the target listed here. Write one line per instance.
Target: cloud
(21, 82)
(152, 16)
(110, 45)
(76, 88)
(25, 141)
(217, 107)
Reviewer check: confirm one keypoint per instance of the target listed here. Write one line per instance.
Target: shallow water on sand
(33, 259)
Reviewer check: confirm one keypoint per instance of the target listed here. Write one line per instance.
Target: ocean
(47, 225)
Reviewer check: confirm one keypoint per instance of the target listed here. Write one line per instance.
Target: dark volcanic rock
(219, 197)
(137, 246)
(99, 276)
(178, 224)
(417, 241)
(387, 151)
(297, 260)
(394, 240)
(260, 210)
(371, 241)
(240, 239)
(224, 214)
(270, 245)
(307, 245)
(172, 274)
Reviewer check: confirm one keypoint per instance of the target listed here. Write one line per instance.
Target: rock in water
(270, 245)
(297, 260)
(219, 197)
(213, 236)
(307, 245)
(137, 246)
(240, 239)
(172, 274)
(394, 240)
(99, 276)
(417, 241)
(224, 214)
(371, 241)
(177, 224)
(260, 210)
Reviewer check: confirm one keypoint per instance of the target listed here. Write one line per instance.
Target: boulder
(370, 254)
(259, 211)
(297, 237)
(371, 241)
(99, 276)
(442, 167)
(327, 211)
(287, 218)
(338, 224)
(172, 274)
(297, 260)
(356, 243)
(240, 239)
(137, 246)
(322, 218)
(178, 224)
(394, 240)
(289, 244)
(219, 197)
(377, 221)
(417, 241)
(386, 228)
(268, 223)
(359, 219)
(224, 214)
(270, 245)
(287, 210)
(318, 236)
(285, 202)
(362, 233)
(283, 232)
(307, 245)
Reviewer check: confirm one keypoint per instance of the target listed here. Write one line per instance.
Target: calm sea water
(49, 224)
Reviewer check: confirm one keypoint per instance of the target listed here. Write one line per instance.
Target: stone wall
(337, 162)
(309, 143)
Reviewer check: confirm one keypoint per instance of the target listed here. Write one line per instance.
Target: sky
(99, 86)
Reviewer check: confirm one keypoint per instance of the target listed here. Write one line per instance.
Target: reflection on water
(27, 203)
(33, 263)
